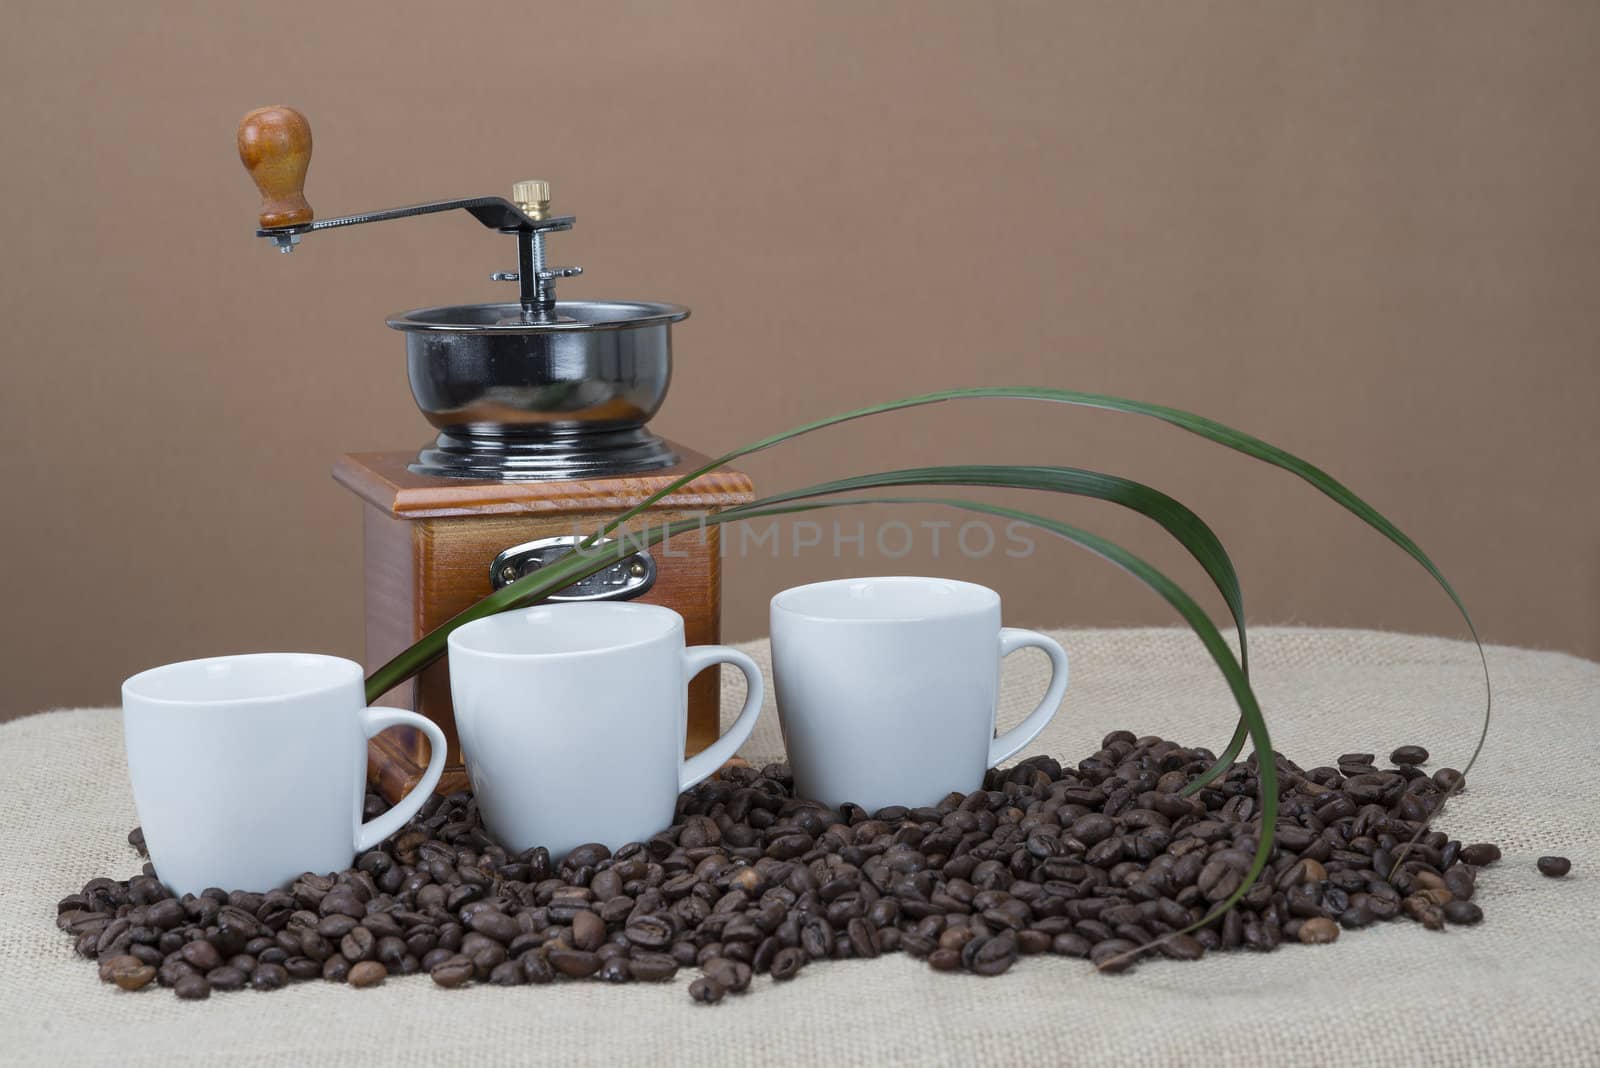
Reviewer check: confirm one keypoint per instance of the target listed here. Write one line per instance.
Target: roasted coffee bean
(1480, 854)
(535, 969)
(302, 968)
(574, 963)
(1181, 947)
(128, 972)
(164, 915)
(653, 967)
(996, 955)
(454, 972)
(706, 990)
(367, 973)
(336, 969)
(861, 935)
(1460, 881)
(269, 977)
(649, 932)
(787, 963)
(358, 944)
(588, 930)
(615, 970)
(192, 987)
(203, 956)
(496, 925)
(731, 975)
(1554, 867)
(1461, 912)
(226, 978)
(1113, 955)
(1409, 754)
(1318, 930)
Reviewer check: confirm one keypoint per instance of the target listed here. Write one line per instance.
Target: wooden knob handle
(275, 147)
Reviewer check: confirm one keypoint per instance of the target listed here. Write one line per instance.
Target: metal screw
(636, 569)
(508, 573)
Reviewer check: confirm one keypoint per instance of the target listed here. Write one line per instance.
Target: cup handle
(374, 720)
(703, 764)
(1012, 741)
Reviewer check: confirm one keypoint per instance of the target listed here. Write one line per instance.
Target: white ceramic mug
(573, 720)
(888, 687)
(249, 771)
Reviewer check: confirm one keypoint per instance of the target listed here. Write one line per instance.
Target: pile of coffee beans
(1103, 861)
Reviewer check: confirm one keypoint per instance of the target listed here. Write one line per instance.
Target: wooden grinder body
(428, 546)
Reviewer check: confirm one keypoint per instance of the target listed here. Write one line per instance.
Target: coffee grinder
(540, 406)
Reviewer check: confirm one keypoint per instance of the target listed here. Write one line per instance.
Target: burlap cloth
(1522, 989)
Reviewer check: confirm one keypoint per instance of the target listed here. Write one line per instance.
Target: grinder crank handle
(275, 147)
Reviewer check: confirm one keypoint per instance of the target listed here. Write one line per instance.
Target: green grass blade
(1179, 521)
(1176, 519)
(1209, 429)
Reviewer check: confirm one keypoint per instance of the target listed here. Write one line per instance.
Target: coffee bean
(269, 977)
(536, 968)
(192, 987)
(453, 972)
(574, 963)
(616, 969)
(128, 972)
(1480, 854)
(508, 973)
(1318, 930)
(1554, 867)
(653, 967)
(731, 975)
(367, 973)
(787, 963)
(586, 856)
(1181, 947)
(203, 956)
(861, 935)
(358, 944)
(787, 846)
(494, 924)
(649, 932)
(1409, 754)
(706, 990)
(1462, 912)
(226, 978)
(1459, 881)
(165, 915)
(994, 955)
(588, 930)
(1110, 955)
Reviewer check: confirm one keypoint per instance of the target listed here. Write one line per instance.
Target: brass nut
(533, 197)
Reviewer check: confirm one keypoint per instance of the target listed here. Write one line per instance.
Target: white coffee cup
(573, 720)
(888, 688)
(251, 770)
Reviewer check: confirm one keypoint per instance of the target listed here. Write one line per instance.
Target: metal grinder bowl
(566, 396)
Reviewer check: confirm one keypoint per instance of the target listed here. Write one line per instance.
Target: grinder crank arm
(275, 147)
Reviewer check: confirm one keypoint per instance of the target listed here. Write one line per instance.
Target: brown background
(1364, 231)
